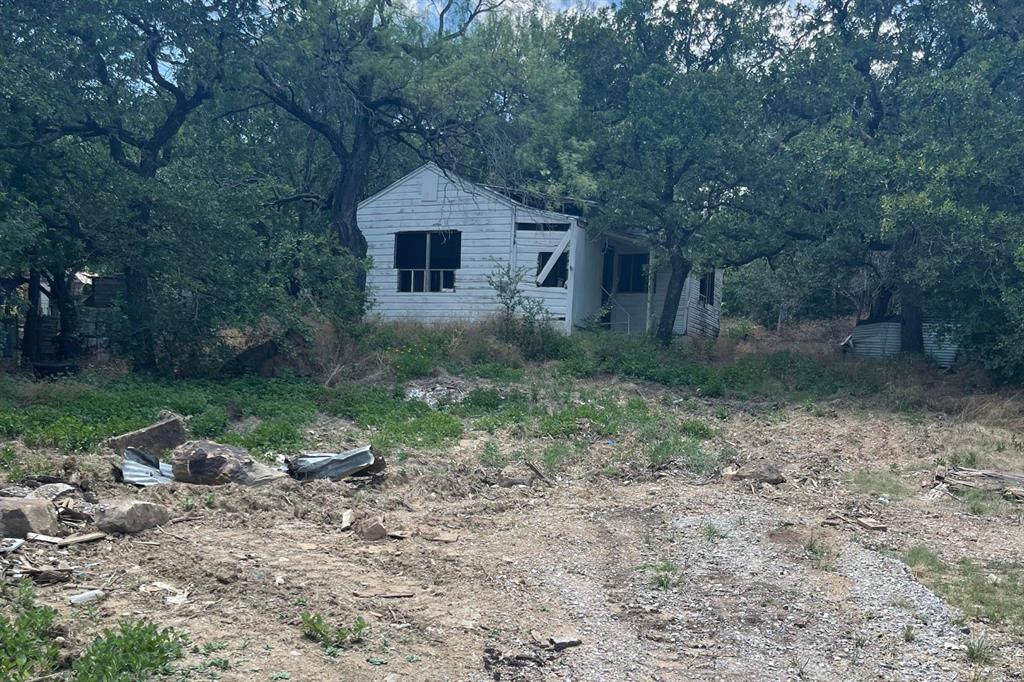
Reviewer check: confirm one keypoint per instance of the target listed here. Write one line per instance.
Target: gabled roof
(473, 187)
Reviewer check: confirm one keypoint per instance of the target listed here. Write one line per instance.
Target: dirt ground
(663, 577)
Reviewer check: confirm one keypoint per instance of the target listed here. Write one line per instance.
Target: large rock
(204, 462)
(166, 434)
(760, 471)
(131, 516)
(19, 516)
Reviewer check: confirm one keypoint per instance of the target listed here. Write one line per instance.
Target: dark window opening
(707, 289)
(559, 274)
(542, 227)
(427, 261)
(633, 273)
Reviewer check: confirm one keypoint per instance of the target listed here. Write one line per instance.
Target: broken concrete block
(760, 472)
(51, 491)
(204, 462)
(166, 434)
(21, 516)
(131, 516)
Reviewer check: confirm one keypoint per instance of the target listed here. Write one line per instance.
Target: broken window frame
(428, 278)
(632, 279)
(707, 289)
(558, 277)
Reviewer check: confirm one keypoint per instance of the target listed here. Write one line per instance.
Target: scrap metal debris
(333, 466)
(142, 468)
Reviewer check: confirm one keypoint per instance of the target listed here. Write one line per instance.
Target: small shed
(434, 238)
(883, 340)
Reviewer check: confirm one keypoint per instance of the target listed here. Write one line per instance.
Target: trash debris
(21, 516)
(131, 516)
(347, 517)
(208, 463)
(495, 660)
(142, 468)
(166, 434)
(333, 465)
(438, 390)
(204, 462)
(172, 595)
(564, 639)
(87, 597)
(10, 545)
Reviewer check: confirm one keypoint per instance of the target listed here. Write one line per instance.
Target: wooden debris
(836, 519)
(80, 538)
(382, 593)
(1009, 485)
(39, 537)
(870, 523)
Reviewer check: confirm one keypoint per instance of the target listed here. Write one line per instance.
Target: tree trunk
(30, 340)
(348, 187)
(913, 318)
(140, 316)
(673, 294)
(880, 305)
(60, 287)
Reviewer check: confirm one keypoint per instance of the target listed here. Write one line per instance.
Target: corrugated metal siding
(938, 344)
(877, 340)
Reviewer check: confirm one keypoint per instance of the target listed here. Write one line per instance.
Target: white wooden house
(433, 238)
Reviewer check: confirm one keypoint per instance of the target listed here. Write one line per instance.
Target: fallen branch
(540, 475)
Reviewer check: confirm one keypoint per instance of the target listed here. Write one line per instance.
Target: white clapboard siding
(428, 199)
(527, 245)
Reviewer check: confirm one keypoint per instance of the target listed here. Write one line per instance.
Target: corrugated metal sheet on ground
(938, 343)
(877, 340)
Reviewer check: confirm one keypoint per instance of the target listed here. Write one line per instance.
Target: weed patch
(992, 593)
(880, 483)
(135, 650)
(26, 637)
(75, 415)
(333, 638)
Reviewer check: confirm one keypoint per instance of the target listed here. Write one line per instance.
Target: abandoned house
(434, 238)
